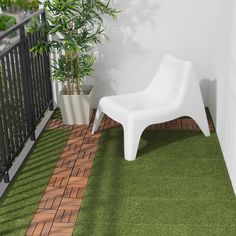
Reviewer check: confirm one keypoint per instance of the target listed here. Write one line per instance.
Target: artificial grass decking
(19, 203)
(177, 186)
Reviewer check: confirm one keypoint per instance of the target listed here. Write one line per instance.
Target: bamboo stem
(78, 75)
(67, 74)
(72, 72)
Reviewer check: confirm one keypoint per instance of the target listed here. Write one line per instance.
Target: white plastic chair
(173, 92)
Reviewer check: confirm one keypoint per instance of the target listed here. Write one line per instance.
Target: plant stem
(78, 75)
(72, 72)
(67, 76)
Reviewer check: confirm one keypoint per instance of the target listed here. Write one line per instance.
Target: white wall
(144, 32)
(203, 31)
(223, 87)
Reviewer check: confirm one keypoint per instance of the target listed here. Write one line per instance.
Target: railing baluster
(4, 162)
(16, 97)
(40, 75)
(34, 79)
(12, 104)
(24, 60)
(6, 145)
(38, 88)
(2, 149)
(46, 59)
(7, 107)
(19, 85)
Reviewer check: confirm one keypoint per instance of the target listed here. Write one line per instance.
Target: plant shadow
(116, 58)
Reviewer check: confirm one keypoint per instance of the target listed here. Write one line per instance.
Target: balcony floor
(57, 212)
(59, 206)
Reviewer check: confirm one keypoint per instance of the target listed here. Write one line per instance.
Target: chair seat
(120, 110)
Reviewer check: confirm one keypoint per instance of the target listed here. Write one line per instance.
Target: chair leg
(97, 120)
(201, 120)
(131, 141)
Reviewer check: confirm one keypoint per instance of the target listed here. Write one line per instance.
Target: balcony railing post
(47, 67)
(4, 162)
(3, 154)
(27, 86)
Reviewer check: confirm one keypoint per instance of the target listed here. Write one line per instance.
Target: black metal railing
(25, 91)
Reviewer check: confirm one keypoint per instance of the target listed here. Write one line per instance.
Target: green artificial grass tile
(164, 145)
(114, 229)
(56, 114)
(178, 185)
(148, 210)
(203, 188)
(19, 203)
(165, 167)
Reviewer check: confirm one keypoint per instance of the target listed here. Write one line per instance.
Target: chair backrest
(170, 78)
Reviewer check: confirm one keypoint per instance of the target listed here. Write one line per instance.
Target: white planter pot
(76, 109)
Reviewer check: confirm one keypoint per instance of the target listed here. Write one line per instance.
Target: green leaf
(80, 26)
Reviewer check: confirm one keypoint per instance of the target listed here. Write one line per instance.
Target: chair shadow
(163, 138)
(151, 140)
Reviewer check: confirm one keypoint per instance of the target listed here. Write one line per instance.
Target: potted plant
(75, 27)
